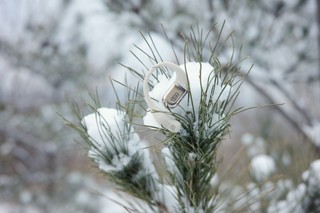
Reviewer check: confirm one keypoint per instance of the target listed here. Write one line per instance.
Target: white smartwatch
(170, 99)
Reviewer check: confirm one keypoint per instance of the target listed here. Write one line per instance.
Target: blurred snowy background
(54, 51)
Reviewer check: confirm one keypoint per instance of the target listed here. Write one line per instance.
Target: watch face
(174, 95)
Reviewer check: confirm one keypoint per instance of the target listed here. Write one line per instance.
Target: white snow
(102, 124)
(147, 162)
(116, 201)
(15, 16)
(144, 52)
(252, 199)
(16, 208)
(199, 75)
(215, 180)
(167, 195)
(297, 199)
(91, 25)
(192, 157)
(118, 162)
(254, 146)
(23, 88)
(293, 202)
(110, 134)
(25, 197)
(104, 35)
(168, 158)
(262, 167)
(312, 178)
(105, 128)
(247, 139)
(101, 36)
(313, 132)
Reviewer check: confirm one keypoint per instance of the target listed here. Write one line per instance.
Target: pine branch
(190, 154)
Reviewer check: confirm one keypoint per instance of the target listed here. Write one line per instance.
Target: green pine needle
(194, 150)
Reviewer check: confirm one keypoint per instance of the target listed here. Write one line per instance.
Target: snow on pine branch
(113, 140)
(202, 79)
(121, 154)
(305, 197)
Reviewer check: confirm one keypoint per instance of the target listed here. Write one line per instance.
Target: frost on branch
(313, 131)
(104, 128)
(119, 151)
(304, 198)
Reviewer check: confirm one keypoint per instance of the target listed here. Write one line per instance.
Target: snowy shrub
(113, 141)
(305, 197)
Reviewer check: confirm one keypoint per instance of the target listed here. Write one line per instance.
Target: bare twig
(293, 102)
(285, 115)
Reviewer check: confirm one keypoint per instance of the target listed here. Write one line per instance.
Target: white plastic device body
(170, 99)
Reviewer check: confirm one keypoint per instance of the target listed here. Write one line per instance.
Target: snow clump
(304, 198)
(313, 132)
(262, 167)
(111, 134)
